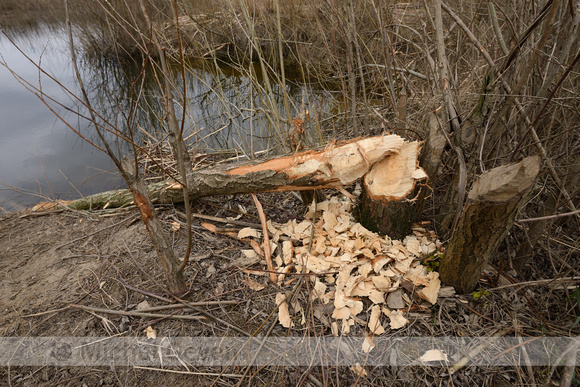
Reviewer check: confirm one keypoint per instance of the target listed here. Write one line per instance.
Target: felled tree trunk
(492, 205)
(387, 201)
(335, 166)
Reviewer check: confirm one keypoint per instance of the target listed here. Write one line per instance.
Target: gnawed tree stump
(337, 165)
(387, 201)
(490, 210)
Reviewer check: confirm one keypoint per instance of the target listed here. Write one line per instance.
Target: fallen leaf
(143, 305)
(254, 285)
(395, 299)
(358, 370)
(175, 226)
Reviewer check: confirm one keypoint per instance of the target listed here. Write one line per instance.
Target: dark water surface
(37, 151)
(41, 157)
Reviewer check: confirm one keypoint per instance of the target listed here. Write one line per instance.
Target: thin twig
(474, 352)
(537, 282)
(522, 111)
(140, 314)
(221, 220)
(186, 372)
(496, 29)
(549, 217)
(267, 249)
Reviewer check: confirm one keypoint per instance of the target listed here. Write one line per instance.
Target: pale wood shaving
(353, 264)
(374, 321)
(283, 312)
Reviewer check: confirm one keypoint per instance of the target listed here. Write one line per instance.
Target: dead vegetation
(509, 89)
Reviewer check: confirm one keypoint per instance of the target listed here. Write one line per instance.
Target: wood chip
(248, 232)
(433, 355)
(283, 312)
(365, 266)
(374, 324)
(395, 299)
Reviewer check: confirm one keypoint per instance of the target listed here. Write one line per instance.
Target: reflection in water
(40, 154)
(225, 108)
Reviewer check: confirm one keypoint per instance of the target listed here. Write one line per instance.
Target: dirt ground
(50, 261)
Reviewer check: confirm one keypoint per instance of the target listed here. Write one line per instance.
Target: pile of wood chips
(351, 263)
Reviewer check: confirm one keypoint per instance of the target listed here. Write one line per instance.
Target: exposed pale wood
(492, 205)
(387, 200)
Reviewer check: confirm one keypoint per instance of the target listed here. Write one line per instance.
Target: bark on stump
(490, 210)
(387, 201)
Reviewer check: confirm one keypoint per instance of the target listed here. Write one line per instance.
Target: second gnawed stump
(492, 205)
(386, 204)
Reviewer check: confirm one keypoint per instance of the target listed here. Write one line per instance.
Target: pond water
(42, 158)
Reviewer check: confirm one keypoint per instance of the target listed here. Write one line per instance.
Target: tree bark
(430, 161)
(335, 166)
(171, 266)
(492, 205)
